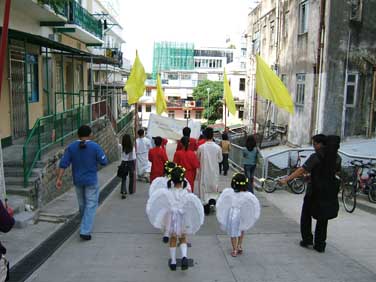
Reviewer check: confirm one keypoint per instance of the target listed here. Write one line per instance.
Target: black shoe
(123, 195)
(207, 209)
(225, 173)
(184, 263)
(305, 244)
(165, 239)
(85, 237)
(172, 266)
(319, 249)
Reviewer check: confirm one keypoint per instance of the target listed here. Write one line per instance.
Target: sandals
(240, 250)
(234, 253)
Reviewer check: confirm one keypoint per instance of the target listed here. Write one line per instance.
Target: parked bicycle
(297, 185)
(363, 180)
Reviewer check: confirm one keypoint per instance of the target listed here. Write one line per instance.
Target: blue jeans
(249, 171)
(87, 197)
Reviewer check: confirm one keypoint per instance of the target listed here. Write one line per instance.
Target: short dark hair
(140, 132)
(239, 182)
(158, 141)
(209, 133)
(250, 143)
(186, 131)
(319, 138)
(84, 131)
(224, 136)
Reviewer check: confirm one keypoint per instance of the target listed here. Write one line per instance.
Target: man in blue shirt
(84, 155)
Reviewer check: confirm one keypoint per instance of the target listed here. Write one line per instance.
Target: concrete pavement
(125, 247)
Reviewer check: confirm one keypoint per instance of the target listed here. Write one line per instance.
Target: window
(187, 114)
(242, 84)
(241, 114)
(284, 79)
(286, 24)
(351, 89)
(32, 81)
(243, 52)
(173, 76)
(139, 108)
(148, 108)
(300, 89)
(199, 115)
(272, 35)
(303, 17)
(186, 76)
(242, 65)
(171, 114)
(148, 92)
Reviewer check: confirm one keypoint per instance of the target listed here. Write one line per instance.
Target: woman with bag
(127, 166)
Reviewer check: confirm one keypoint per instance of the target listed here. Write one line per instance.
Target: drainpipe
(317, 71)
(345, 90)
(372, 105)
(3, 48)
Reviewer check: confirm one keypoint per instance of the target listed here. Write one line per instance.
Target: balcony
(116, 54)
(82, 25)
(180, 104)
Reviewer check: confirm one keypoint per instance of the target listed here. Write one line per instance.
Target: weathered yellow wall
(5, 129)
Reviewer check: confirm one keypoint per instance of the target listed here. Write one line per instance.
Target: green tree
(213, 109)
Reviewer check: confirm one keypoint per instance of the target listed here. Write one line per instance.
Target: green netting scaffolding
(172, 56)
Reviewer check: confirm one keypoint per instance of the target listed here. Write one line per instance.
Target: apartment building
(324, 53)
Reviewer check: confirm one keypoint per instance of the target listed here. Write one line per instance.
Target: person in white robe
(237, 210)
(143, 146)
(209, 155)
(184, 212)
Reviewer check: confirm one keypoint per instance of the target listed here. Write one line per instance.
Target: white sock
(166, 233)
(183, 249)
(173, 255)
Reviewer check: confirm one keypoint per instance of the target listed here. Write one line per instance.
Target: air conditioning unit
(190, 104)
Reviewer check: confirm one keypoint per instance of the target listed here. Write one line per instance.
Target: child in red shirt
(158, 158)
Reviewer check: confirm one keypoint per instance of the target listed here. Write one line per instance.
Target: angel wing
(158, 183)
(157, 206)
(249, 211)
(193, 214)
(223, 205)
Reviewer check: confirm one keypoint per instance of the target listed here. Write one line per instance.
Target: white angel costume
(237, 211)
(161, 183)
(176, 211)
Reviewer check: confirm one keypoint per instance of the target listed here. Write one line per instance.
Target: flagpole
(135, 146)
(225, 115)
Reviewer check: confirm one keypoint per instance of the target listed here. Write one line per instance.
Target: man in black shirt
(320, 201)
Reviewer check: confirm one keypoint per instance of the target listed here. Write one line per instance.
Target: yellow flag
(135, 85)
(229, 99)
(161, 102)
(271, 87)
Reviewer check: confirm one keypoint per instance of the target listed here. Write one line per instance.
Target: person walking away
(201, 140)
(142, 150)
(6, 223)
(237, 210)
(225, 146)
(192, 141)
(250, 153)
(158, 158)
(128, 159)
(209, 155)
(184, 211)
(321, 198)
(187, 159)
(84, 155)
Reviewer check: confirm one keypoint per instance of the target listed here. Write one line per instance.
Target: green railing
(49, 130)
(80, 16)
(123, 122)
(59, 6)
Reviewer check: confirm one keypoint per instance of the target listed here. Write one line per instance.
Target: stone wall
(44, 187)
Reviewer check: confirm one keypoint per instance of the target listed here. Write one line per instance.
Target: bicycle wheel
(349, 197)
(297, 185)
(269, 185)
(372, 193)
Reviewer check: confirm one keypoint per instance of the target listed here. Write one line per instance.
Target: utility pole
(3, 48)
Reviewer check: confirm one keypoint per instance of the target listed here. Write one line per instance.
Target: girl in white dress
(237, 210)
(184, 212)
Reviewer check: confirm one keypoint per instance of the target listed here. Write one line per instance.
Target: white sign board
(171, 128)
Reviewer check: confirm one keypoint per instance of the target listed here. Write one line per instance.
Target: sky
(203, 22)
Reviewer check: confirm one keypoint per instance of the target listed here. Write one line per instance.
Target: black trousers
(306, 226)
(224, 164)
(130, 172)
